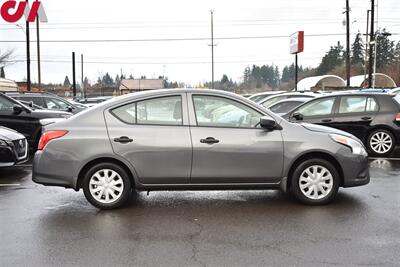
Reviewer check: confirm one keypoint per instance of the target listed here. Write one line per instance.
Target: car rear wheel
(381, 143)
(106, 186)
(315, 182)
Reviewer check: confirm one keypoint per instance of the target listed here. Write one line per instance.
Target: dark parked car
(373, 117)
(25, 120)
(48, 101)
(13, 147)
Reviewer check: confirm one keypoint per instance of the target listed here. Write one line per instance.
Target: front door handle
(123, 140)
(209, 140)
(366, 118)
(326, 120)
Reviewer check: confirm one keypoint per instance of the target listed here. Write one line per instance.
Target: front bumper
(355, 168)
(9, 157)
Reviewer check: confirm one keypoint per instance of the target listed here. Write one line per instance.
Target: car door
(228, 147)
(355, 114)
(318, 111)
(153, 135)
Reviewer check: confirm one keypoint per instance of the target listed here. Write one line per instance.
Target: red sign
(12, 11)
(297, 42)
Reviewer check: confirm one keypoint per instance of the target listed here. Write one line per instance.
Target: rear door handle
(209, 140)
(326, 120)
(123, 140)
(366, 118)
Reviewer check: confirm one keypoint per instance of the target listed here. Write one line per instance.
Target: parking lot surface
(45, 226)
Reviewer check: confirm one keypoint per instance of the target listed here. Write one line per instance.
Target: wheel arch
(313, 155)
(96, 161)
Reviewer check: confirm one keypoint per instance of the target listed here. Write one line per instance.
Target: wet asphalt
(48, 226)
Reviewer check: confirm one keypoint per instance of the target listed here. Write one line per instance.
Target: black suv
(27, 121)
(372, 117)
(48, 101)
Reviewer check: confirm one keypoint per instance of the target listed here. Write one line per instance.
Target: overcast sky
(186, 61)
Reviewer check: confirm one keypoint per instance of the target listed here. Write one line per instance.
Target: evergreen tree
(107, 80)
(397, 53)
(2, 73)
(357, 50)
(246, 75)
(333, 58)
(385, 52)
(67, 83)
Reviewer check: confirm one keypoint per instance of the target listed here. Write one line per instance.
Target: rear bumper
(43, 173)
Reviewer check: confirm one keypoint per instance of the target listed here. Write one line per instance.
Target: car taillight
(48, 136)
(398, 117)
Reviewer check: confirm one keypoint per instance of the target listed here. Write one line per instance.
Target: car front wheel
(315, 182)
(106, 186)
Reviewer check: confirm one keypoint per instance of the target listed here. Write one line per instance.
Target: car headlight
(355, 146)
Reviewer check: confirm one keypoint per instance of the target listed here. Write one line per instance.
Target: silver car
(181, 139)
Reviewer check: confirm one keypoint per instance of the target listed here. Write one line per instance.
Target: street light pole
(347, 44)
(28, 57)
(38, 52)
(212, 49)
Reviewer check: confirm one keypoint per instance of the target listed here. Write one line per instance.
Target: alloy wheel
(106, 186)
(316, 182)
(381, 143)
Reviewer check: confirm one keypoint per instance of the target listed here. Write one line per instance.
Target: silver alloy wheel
(381, 142)
(106, 186)
(316, 182)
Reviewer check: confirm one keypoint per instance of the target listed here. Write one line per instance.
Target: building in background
(8, 85)
(136, 85)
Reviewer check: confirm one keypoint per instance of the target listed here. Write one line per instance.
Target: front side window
(156, 111)
(213, 111)
(318, 107)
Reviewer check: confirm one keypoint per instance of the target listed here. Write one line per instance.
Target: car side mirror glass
(69, 109)
(17, 109)
(298, 116)
(268, 123)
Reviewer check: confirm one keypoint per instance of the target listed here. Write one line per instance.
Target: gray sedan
(195, 140)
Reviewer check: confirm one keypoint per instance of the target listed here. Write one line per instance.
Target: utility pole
(212, 49)
(82, 78)
(371, 45)
(73, 75)
(38, 52)
(347, 44)
(28, 57)
(366, 47)
(296, 71)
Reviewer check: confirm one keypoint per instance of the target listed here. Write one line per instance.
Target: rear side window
(35, 100)
(156, 111)
(357, 104)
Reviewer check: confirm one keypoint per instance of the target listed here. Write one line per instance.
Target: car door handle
(209, 140)
(326, 120)
(123, 140)
(366, 118)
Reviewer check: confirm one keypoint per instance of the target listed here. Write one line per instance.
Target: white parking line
(9, 185)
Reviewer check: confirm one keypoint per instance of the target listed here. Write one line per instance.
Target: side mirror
(69, 109)
(17, 109)
(31, 104)
(298, 116)
(268, 123)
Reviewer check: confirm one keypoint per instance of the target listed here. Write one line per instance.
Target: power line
(174, 39)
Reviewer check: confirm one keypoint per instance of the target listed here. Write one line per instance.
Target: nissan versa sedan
(188, 139)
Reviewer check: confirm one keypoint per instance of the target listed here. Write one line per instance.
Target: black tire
(302, 197)
(122, 197)
(373, 151)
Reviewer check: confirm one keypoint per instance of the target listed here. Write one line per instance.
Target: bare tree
(5, 57)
